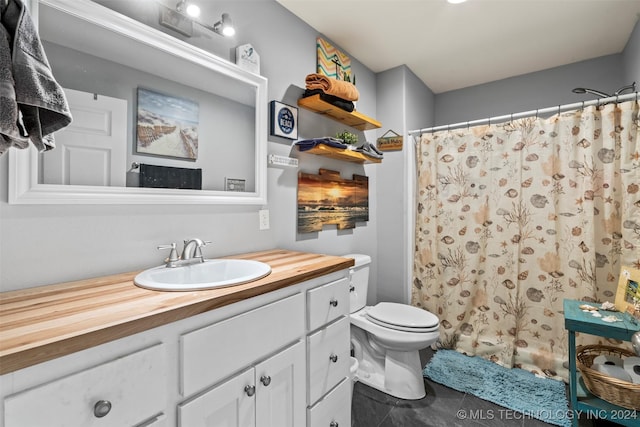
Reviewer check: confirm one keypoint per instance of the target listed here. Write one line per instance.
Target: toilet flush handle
(333, 302)
(333, 424)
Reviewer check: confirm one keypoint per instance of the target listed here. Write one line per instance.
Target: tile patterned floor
(442, 407)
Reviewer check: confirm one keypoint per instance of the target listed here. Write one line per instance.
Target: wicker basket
(613, 390)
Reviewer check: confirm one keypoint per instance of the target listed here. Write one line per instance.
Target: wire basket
(613, 390)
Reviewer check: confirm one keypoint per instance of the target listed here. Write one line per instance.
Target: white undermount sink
(212, 273)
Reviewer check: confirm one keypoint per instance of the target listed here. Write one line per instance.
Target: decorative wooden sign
(389, 143)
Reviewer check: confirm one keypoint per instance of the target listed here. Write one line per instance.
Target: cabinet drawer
(216, 351)
(334, 407)
(135, 386)
(328, 356)
(326, 303)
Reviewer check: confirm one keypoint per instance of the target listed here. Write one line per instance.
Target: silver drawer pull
(250, 390)
(101, 408)
(333, 424)
(265, 380)
(333, 358)
(333, 303)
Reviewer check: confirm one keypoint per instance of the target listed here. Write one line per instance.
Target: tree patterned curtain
(513, 218)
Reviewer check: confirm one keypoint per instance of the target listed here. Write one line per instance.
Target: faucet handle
(173, 255)
(197, 253)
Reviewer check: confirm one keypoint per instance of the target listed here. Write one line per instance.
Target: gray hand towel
(9, 132)
(40, 98)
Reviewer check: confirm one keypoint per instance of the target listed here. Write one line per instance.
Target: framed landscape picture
(167, 126)
(628, 293)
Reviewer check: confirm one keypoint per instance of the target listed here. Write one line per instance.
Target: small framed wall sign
(233, 184)
(284, 120)
(248, 58)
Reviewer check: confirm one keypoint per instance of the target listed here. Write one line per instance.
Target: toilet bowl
(387, 337)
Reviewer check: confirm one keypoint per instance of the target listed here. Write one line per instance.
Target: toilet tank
(359, 281)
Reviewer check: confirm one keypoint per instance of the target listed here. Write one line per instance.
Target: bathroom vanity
(104, 352)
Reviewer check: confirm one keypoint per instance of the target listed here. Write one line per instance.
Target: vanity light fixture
(225, 26)
(185, 15)
(191, 9)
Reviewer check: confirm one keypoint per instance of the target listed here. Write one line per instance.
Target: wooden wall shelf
(341, 154)
(354, 119)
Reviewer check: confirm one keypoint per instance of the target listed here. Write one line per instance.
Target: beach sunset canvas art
(327, 199)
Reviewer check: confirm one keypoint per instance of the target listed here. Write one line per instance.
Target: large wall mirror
(155, 120)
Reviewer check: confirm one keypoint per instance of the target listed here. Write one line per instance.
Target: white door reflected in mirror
(90, 151)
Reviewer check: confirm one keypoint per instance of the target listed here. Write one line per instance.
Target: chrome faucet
(191, 253)
(193, 249)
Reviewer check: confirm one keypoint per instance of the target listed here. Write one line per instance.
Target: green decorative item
(348, 137)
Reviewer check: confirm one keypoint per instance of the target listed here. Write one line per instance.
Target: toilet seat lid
(403, 316)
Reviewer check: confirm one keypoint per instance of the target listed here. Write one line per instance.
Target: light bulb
(193, 10)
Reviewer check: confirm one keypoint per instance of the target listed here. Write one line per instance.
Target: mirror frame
(24, 187)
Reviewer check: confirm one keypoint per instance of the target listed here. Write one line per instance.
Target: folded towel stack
(32, 103)
(333, 100)
(331, 86)
(308, 144)
(370, 150)
(336, 92)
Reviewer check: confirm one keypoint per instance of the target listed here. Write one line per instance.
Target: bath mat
(516, 389)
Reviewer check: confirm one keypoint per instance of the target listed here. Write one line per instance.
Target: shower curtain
(512, 218)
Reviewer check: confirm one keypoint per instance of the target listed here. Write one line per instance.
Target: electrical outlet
(263, 214)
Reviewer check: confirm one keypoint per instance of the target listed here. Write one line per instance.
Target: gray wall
(531, 91)
(405, 103)
(631, 58)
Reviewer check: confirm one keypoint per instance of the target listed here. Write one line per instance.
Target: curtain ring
(511, 118)
(559, 109)
(537, 113)
(582, 109)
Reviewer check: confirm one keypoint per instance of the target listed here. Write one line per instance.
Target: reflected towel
(331, 86)
(40, 98)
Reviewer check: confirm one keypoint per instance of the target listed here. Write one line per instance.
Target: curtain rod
(556, 109)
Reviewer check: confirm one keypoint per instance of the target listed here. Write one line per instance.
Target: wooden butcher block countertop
(42, 323)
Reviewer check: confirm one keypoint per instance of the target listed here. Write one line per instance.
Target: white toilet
(386, 338)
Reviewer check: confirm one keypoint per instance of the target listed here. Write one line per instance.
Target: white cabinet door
(280, 389)
(231, 404)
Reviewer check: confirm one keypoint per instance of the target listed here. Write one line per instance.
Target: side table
(575, 320)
